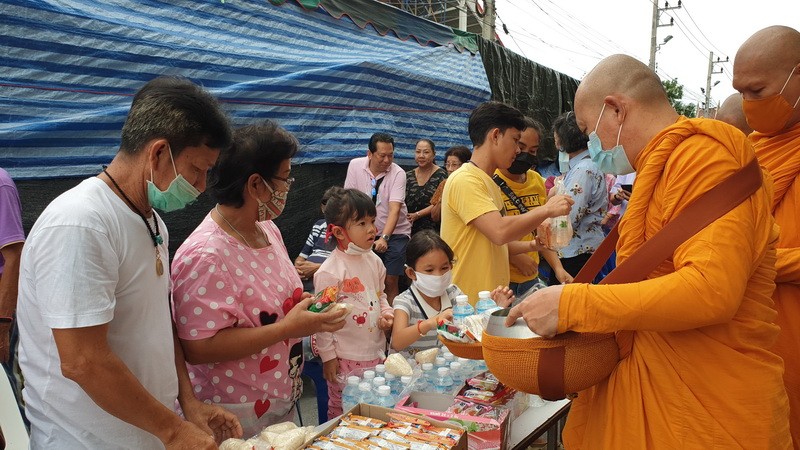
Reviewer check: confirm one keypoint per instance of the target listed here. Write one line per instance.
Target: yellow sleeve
(788, 265)
(706, 280)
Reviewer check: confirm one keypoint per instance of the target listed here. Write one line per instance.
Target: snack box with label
(386, 415)
(484, 433)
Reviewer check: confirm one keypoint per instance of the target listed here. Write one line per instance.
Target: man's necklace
(234, 228)
(154, 235)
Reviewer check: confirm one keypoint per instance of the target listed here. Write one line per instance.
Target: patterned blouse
(587, 186)
(419, 197)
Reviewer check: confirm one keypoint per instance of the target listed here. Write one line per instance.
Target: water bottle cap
(484, 294)
(455, 365)
(369, 374)
(380, 368)
(439, 360)
(352, 379)
(405, 379)
(443, 371)
(384, 390)
(463, 360)
(427, 366)
(364, 386)
(389, 377)
(462, 298)
(379, 381)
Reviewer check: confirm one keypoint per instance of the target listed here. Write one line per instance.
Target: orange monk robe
(780, 155)
(700, 373)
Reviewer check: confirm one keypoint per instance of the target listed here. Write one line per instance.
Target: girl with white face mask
(417, 311)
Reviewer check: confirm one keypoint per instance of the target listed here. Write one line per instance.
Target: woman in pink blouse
(238, 302)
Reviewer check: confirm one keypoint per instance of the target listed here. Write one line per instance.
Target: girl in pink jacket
(360, 274)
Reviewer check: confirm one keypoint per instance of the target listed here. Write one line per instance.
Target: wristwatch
(386, 237)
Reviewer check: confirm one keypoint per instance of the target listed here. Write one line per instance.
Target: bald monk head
(624, 102)
(731, 113)
(767, 73)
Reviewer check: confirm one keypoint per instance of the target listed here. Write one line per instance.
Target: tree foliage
(675, 95)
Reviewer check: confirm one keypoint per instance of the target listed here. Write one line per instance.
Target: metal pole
(462, 15)
(653, 32)
(488, 21)
(708, 81)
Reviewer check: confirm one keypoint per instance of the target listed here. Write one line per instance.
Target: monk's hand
(559, 205)
(539, 311)
(214, 420)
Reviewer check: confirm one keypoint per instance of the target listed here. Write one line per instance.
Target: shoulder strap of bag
(378, 183)
(700, 213)
(510, 193)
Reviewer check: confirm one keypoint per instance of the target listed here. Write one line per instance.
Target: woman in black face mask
(523, 189)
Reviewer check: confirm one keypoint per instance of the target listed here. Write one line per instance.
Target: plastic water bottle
(439, 362)
(384, 397)
(380, 370)
(444, 382)
(448, 357)
(394, 383)
(350, 393)
(462, 309)
(485, 302)
(467, 367)
(365, 393)
(405, 384)
(427, 378)
(369, 375)
(378, 382)
(457, 374)
(561, 226)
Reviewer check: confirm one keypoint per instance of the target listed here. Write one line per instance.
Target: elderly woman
(586, 184)
(421, 183)
(238, 301)
(454, 158)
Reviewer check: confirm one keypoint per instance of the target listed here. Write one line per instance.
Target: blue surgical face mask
(179, 193)
(613, 161)
(563, 161)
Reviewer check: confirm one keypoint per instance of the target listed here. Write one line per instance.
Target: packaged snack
(362, 421)
(485, 381)
(354, 432)
(324, 299)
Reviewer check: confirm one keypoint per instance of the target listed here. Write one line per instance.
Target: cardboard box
(380, 413)
(494, 435)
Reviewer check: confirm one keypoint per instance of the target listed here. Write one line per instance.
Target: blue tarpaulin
(70, 68)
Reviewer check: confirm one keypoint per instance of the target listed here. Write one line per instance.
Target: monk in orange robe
(731, 113)
(699, 372)
(767, 73)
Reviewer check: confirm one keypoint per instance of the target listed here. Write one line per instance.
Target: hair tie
(329, 232)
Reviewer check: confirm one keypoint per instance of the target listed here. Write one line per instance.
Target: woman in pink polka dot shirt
(238, 302)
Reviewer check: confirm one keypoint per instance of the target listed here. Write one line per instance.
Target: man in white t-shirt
(97, 351)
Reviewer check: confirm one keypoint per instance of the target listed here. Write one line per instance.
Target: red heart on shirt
(289, 303)
(267, 364)
(261, 407)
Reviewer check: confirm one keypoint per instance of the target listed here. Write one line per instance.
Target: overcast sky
(571, 36)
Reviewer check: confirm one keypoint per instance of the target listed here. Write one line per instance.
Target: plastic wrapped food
(397, 365)
(426, 356)
(324, 299)
(235, 444)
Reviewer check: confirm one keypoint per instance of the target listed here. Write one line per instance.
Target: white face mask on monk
(613, 161)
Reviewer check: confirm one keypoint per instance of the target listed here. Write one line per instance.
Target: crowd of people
(119, 348)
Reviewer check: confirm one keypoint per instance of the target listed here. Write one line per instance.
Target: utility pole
(488, 21)
(656, 25)
(462, 15)
(711, 71)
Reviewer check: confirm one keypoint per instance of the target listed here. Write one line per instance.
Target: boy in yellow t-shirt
(474, 222)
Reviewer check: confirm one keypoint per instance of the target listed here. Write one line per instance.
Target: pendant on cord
(159, 264)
